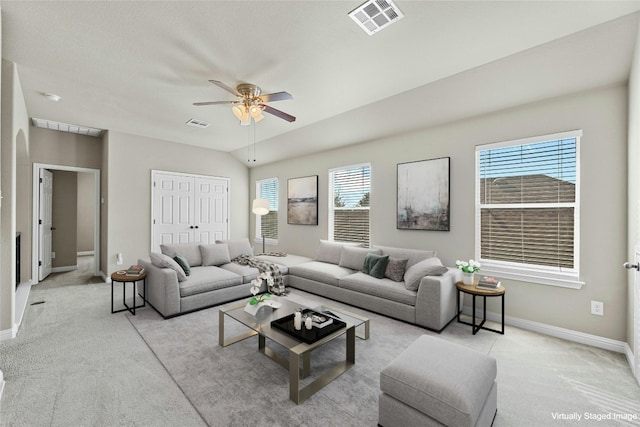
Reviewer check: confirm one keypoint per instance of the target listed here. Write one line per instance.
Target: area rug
(540, 378)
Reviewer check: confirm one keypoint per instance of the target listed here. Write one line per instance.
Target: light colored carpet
(75, 364)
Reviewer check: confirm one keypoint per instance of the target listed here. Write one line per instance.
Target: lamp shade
(260, 206)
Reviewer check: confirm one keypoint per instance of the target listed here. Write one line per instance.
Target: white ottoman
(435, 382)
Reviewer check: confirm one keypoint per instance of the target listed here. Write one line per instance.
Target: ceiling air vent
(65, 127)
(374, 15)
(197, 123)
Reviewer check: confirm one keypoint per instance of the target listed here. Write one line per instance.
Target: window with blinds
(526, 205)
(349, 193)
(267, 225)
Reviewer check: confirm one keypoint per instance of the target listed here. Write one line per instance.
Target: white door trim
(35, 212)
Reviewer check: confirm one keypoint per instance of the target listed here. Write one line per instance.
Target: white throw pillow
(332, 251)
(163, 261)
(428, 267)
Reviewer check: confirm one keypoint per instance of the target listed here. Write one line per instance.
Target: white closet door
(188, 208)
(211, 219)
(173, 215)
(45, 223)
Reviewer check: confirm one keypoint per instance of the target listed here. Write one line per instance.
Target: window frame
(258, 219)
(544, 275)
(331, 208)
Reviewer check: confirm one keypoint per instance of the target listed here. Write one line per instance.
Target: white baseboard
(8, 334)
(631, 359)
(64, 268)
(85, 253)
(1, 383)
(554, 331)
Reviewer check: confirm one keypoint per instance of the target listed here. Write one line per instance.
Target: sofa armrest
(163, 292)
(436, 300)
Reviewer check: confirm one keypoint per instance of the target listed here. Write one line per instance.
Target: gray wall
(15, 143)
(130, 160)
(601, 113)
(85, 212)
(64, 218)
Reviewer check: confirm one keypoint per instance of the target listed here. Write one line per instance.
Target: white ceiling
(137, 67)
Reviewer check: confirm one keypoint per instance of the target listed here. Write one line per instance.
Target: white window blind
(267, 225)
(349, 193)
(526, 210)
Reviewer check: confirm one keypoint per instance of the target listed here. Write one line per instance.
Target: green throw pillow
(375, 265)
(182, 262)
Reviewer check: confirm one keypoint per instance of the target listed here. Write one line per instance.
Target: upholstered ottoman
(434, 382)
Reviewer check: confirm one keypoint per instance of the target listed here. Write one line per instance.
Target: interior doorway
(39, 239)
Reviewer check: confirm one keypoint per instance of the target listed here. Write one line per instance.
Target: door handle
(191, 226)
(631, 266)
(53, 228)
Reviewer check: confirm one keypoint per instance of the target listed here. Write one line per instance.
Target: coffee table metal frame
(296, 349)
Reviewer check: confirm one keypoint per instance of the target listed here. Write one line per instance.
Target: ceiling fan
(251, 103)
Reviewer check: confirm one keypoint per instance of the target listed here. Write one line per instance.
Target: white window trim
(330, 208)
(258, 223)
(527, 273)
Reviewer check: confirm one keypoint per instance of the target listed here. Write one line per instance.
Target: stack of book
(320, 321)
(134, 270)
(488, 283)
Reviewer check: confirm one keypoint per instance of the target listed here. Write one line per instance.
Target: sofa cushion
(332, 251)
(246, 272)
(428, 267)
(375, 265)
(183, 263)
(164, 261)
(284, 262)
(204, 279)
(395, 269)
(216, 254)
(413, 256)
(353, 256)
(190, 251)
(383, 288)
(238, 247)
(320, 271)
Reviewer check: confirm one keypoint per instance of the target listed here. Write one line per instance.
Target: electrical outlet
(53, 255)
(597, 308)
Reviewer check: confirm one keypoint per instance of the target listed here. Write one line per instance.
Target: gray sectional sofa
(412, 286)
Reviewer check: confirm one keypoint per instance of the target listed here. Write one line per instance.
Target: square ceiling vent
(374, 15)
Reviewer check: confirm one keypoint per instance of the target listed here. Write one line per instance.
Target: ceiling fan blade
(225, 87)
(214, 103)
(278, 113)
(277, 96)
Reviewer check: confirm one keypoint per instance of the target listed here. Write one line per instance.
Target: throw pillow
(395, 269)
(380, 267)
(428, 267)
(238, 247)
(217, 254)
(369, 262)
(182, 262)
(163, 261)
(329, 252)
(189, 251)
(353, 257)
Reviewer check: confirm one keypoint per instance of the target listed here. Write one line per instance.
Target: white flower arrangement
(255, 287)
(468, 267)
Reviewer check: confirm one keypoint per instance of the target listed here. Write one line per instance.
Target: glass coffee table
(260, 325)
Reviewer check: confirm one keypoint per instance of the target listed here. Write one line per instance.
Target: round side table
(121, 277)
(484, 293)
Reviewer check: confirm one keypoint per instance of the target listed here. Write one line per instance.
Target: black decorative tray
(308, 336)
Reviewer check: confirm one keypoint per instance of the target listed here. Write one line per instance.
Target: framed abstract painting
(423, 195)
(302, 200)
